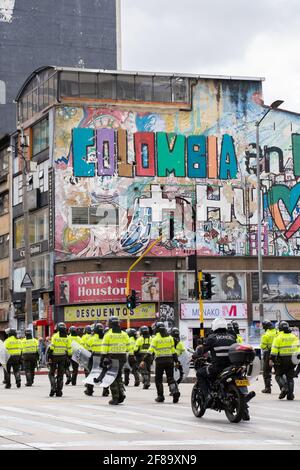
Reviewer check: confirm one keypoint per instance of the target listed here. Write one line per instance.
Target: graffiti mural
(123, 174)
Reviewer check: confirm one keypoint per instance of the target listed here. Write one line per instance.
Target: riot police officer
(116, 345)
(266, 346)
(30, 355)
(13, 346)
(179, 348)
(58, 352)
(141, 348)
(132, 333)
(94, 345)
(73, 336)
(284, 346)
(163, 348)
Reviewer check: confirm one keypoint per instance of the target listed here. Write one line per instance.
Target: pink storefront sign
(111, 287)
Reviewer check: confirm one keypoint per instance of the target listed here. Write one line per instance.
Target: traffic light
(131, 300)
(207, 286)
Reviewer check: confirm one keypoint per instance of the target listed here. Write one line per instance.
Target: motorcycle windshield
(253, 370)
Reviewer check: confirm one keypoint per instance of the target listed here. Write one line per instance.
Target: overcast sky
(258, 38)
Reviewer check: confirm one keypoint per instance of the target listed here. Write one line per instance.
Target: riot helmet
(284, 326)
(62, 329)
(132, 333)
(114, 324)
(160, 328)
(144, 331)
(99, 330)
(267, 325)
(28, 334)
(88, 330)
(175, 333)
(236, 327)
(12, 332)
(73, 331)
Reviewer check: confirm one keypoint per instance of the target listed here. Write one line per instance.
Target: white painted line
(216, 444)
(9, 432)
(14, 446)
(116, 412)
(166, 417)
(80, 422)
(38, 424)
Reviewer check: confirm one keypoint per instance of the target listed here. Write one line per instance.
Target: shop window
(38, 228)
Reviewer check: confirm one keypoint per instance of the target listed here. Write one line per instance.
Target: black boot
(105, 392)
(160, 399)
(114, 401)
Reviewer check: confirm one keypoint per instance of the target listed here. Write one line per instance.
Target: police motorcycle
(229, 391)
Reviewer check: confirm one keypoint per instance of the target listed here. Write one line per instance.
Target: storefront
(189, 323)
(83, 299)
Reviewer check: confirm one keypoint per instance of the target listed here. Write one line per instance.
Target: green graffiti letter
(170, 154)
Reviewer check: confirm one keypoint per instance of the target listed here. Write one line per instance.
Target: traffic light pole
(134, 265)
(201, 306)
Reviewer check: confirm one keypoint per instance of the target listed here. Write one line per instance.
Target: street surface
(30, 419)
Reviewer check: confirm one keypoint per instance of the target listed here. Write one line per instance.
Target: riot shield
(184, 360)
(4, 356)
(80, 355)
(253, 370)
(102, 376)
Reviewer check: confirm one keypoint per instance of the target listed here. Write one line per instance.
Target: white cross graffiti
(157, 203)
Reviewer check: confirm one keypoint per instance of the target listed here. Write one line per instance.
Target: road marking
(169, 419)
(159, 443)
(80, 422)
(9, 432)
(38, 424)
(143, 423)
(278, 409)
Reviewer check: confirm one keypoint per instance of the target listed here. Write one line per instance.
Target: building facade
(81, 33)
(124, 158)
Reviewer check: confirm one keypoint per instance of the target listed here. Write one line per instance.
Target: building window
(4, 290)
(107, 86)
(4, 203)
(40, 273)
(104, 216)
(162, 89)
(125, 87)
(88, 85)
(40, 136)
(4, 246)
(144, 88)
(38, 228)
(4, 161)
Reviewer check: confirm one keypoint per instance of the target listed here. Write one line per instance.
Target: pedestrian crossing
(75, 422)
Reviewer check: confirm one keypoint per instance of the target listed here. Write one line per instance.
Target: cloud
(233, 37)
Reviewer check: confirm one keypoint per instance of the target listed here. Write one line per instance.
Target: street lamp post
(28, 303)
(274, 105)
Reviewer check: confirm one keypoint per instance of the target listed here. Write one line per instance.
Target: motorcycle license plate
(242, 383)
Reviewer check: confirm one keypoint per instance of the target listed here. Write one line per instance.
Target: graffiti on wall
(122, 175)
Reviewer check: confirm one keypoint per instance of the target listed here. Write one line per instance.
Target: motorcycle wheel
(197, 402)
(235, 404)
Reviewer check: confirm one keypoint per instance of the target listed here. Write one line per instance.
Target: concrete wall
(34, 33)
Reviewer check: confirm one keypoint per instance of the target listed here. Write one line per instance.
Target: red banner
(111, 287)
